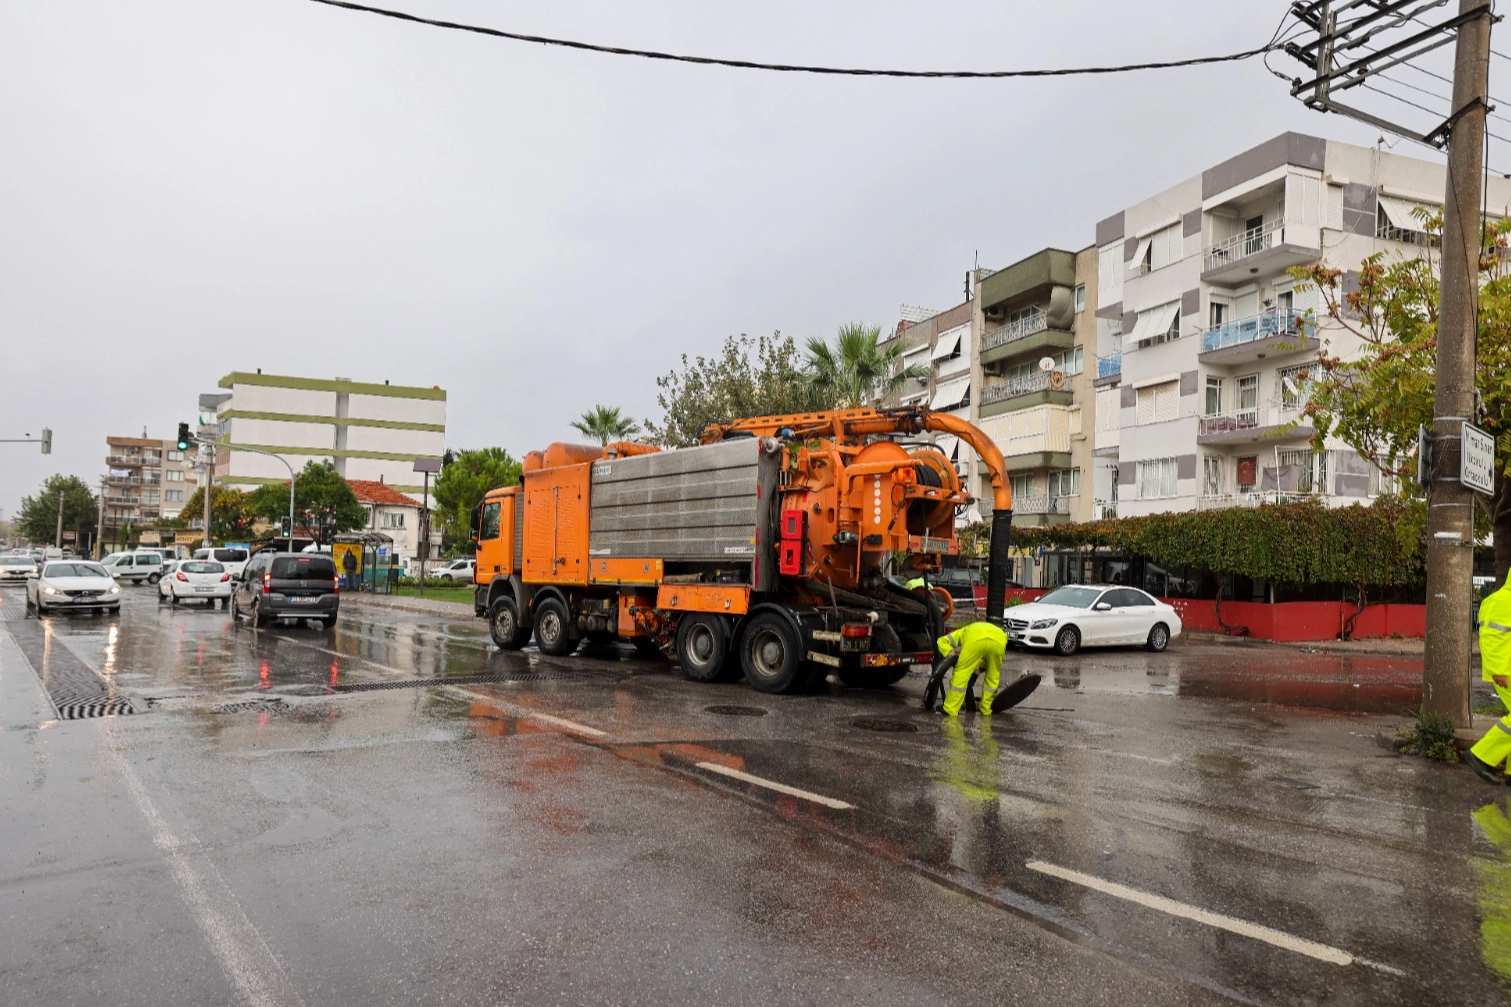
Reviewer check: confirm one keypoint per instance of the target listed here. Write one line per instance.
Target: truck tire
(508, 630)
(553, 628)
(703, 647)
(886, 641)
(771, 654)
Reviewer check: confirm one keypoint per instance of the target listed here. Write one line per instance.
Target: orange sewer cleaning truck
(759, 552)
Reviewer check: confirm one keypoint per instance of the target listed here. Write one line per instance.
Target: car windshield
(1072, 597)
(303, 568)
(74, 570)
(201, 568)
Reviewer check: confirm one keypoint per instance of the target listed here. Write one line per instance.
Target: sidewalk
(1393, 646)
(424, 606)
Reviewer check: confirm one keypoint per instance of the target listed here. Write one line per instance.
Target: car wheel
(771, 654)
(173, 600)
(703, 647)
(259, 618)
(234, 613)
(508, 630)
(1068, 641)
(553, 628)
(115, 609)
(1159, 638)
(153, 578)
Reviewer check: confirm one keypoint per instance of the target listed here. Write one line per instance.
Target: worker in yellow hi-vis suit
(978, 643)
(1495, 661)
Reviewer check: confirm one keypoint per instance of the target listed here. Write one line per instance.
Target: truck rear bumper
(892, 660)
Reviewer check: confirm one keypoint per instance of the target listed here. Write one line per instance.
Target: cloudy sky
(191, 187)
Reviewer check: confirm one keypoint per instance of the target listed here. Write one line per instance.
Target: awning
(949, 445)
(951, 393)
(1399, 212)
(1139, 253)
(949, 340)
(1153, 322)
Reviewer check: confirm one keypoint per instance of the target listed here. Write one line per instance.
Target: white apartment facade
(942, 343)
(370, 432)
(1204, 341)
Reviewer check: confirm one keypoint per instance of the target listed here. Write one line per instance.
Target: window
(1217, 313)
(1285, 300)
(1248, 397)
(1383, 483)
(149, 496)
(174, 476)
(1072, 362)
(1080, 298)
(1213, 405)
(1310, 470)
(1156, 478)
(490, 522)
(1295, 387)
(393, 519)
(1211, 476)
(1023, 487)
(1158, 403)
(1065, 483)
(173, 496)
(1166, 246)
(175, 456)
(1248, 473)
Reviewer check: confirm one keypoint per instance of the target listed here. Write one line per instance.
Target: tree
(1376, 400)
(37, 520)
(764, 376)
(324, 502)
(231, 513)
(605, 424)
(855, 371)
(465, 478)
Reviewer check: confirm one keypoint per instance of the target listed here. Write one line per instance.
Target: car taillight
(854, 629)
(267, 579)
(336, 587)
(224, 577)
(181, 577)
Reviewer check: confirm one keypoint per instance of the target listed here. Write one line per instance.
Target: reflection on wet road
(394, 811)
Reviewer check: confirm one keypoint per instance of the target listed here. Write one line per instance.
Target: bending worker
(1495, 661)
(978, 643)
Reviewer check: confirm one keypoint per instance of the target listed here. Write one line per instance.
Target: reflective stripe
(1496, 625)
(988, 692)
(1502, 725)
(962, 689)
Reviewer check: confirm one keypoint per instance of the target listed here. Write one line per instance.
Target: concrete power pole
(1450, 507)
(209, 486)
(59, 543)
(99, 527)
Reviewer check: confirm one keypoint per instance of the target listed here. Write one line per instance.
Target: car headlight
(115, 589)
(49, 590)
(1044, 623)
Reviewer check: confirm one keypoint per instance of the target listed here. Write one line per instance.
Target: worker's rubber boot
(1483, 769)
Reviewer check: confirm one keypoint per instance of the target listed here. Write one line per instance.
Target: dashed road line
(781, 788)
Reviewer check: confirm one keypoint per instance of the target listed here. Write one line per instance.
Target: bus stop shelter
(366, 561)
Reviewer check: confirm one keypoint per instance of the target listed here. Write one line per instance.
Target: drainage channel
(77, 692)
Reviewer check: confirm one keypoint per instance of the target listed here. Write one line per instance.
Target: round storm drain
(736, 711)
(884, 725)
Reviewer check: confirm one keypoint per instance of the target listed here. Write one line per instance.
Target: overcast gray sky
(191, 187)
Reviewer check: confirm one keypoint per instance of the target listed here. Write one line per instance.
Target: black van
(284, 585)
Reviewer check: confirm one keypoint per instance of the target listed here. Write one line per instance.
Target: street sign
(148, 538)
(1477, 460)
(69, 536)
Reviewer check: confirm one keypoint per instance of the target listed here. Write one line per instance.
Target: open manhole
(736, 711)
(884, 725)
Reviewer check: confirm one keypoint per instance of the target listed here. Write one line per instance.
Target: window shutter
(1166, 401)
(1110, 274)
(1145, 404)
(1334, 207)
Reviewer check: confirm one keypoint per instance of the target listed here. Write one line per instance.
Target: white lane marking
(528, 714)
(781, 788)
(1279, 938)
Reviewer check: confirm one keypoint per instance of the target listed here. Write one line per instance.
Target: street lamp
(292, 477)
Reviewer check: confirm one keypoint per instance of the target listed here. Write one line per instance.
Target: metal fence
(1035, 321)
(1276, 322)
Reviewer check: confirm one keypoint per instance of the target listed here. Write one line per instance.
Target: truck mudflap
(892, 660)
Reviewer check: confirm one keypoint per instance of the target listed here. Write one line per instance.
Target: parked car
(196, 579)
(282, 585)
(1093, 615)
(75, 584)
(134, 566)
(233, 559)
(458, 569)
(16, 569)
(958, 581)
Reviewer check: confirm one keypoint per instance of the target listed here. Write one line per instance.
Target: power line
(792, 68)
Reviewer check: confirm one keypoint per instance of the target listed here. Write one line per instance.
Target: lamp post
(422, 547)
(287, 464)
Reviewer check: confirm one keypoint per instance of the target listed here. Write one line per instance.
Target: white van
(135, 566)
(234, 560)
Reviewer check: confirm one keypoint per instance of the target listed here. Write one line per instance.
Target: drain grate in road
(76, 691)
(496, 678)
(884, 725)
(736, 711)
(247, 705)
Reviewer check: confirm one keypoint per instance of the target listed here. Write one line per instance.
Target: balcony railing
(1272, 414)
(1255, 239)
(128, 461)
(153, 480)
(1041, 504)
(1251, 498)
(1035, 321)
(1110, 366)
(1014, 387)
(1106, 510)
(1276, 322)
(122, 501)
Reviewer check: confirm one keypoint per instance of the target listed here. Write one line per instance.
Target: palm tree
(855, 370)
(606, 423)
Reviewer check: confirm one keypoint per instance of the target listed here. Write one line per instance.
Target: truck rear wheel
(553, 628)
(703, 647)
(508, 630)
(771, 654)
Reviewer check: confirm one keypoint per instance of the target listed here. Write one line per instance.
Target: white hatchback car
(72, 584)
(1093, 615)
(196, 579)
(460, 569)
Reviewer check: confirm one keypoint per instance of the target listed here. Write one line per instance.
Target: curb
(456, 609)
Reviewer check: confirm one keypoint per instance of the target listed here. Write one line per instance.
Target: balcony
(1245, 426)
(1278, 331)
(1110, 366)
(1251, 498)
(1104, 510)
(1031, 333)
(1041, 504)
(153, 480)
(1019, 393)
(1239, 258)
(119, 501)
(124, 461)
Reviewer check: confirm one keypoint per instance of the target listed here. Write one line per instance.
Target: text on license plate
(304, 601)
(204, 589)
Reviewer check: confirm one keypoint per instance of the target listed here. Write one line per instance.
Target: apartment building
(1037, 336)
(371, 432)
(1204, 343)
(943, 343)
(145, 479)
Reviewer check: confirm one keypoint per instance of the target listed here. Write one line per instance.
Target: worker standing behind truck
(976, 643)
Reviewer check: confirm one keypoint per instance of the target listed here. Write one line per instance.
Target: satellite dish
(1046, 364)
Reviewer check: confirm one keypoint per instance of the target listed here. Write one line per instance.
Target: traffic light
(285, 527)
(183, 437)
(47, 440)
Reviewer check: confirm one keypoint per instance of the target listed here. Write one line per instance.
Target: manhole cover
(736, 711)
(884, 725)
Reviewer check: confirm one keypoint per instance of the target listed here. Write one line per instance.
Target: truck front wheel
(508, 630)
(553, 628)
(703, 647)
(771, 654)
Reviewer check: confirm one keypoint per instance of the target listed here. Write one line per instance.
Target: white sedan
(1093, 615)
(198, 579)
(17, 569)
(72, 584)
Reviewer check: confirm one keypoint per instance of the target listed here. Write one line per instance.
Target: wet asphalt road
(299, 817)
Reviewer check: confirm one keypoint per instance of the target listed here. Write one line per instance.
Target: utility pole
(1450, 504)
(209, 485)
(99, 526)
(59, 542)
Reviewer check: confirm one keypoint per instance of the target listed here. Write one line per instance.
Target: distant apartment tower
(1204, 348)
(370, 432)
(145, 480)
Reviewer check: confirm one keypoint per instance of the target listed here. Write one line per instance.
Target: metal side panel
(519, 531)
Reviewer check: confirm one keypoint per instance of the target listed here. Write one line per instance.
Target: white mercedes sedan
(1092, 615)
(72, 584)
